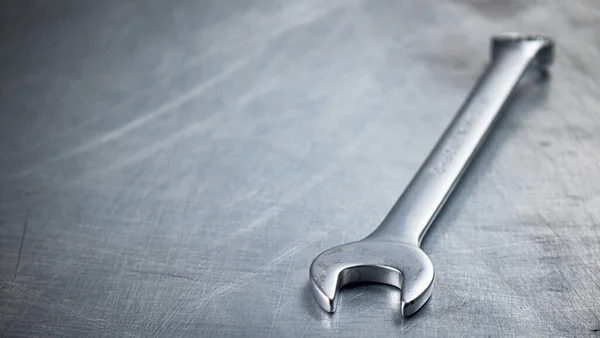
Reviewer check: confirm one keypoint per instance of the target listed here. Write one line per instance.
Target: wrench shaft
(391, 254)
(415, 210)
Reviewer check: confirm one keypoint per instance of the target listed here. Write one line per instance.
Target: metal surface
(391, 254)
(170, 168)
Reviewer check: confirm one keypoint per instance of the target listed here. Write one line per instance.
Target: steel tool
(391, 254)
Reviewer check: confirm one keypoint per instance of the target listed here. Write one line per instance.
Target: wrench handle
(415, 210)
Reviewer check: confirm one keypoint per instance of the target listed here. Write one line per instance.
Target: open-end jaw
(403, 266)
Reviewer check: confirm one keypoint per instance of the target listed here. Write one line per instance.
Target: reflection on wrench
(391, 254)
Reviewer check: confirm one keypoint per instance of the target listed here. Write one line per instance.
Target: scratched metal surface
(171, 168)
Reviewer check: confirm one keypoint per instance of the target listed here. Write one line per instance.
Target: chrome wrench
(391, 254)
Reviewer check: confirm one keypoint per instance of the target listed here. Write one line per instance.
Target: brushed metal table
(171, 168)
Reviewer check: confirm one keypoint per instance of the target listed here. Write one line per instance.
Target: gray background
(171, 168)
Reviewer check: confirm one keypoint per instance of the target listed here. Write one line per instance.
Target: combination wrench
(391, 254)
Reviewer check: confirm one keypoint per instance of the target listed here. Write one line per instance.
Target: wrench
(391, 254)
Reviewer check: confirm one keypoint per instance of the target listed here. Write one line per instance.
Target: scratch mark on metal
(306, 326)
(226, 289)
(287, 275)
(160, 273)
(146, 118)
(496, 246)
(22, 241)
(273, 211)
(182, 99)
(222, 291)
(360, 294)
(194, 128)
(149, 151)
(467, 293)
(96, 323)
(286, 303)
(360, 309)
(406, 329)
(311, 182)
(579, 296)
(557, 235)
